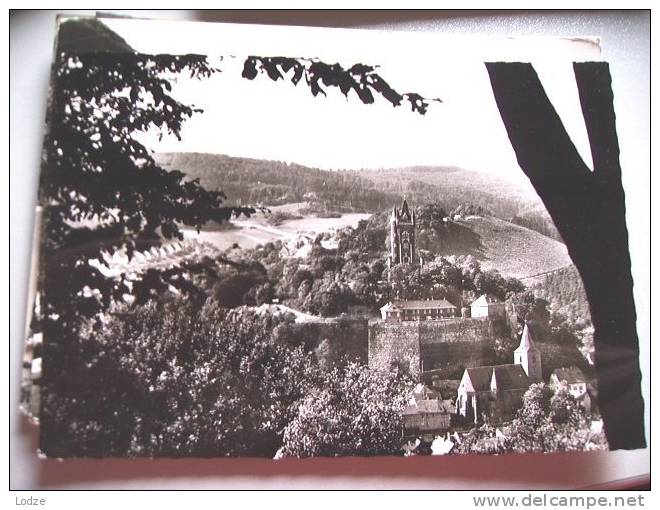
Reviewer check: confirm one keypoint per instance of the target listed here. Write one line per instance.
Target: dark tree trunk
(588, 209)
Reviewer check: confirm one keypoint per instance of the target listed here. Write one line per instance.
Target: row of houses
(438, 309)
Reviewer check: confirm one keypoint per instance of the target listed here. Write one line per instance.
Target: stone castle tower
(529, 356)
(402, 235)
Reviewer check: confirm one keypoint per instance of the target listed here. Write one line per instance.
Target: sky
(280, 121)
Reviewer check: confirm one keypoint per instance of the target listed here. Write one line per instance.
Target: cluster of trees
(459, 279)
(101, 190)
(355, 411)
(538, 221)
(324, 282)
(565, 290)
(471, 210)
(550, 420)
(174, 377)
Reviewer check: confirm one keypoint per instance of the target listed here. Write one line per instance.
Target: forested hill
(253, 181)
(565, 292)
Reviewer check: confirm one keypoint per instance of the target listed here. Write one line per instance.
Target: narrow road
(258, 226)
(544, 272)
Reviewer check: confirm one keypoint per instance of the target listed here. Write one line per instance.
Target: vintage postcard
(284, 242)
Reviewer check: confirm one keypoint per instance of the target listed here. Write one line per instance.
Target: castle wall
(449, 347)
(394, 343)
(445, 347)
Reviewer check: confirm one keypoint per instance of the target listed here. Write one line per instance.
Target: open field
(249, 232)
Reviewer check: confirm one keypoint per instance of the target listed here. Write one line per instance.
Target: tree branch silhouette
(588, 209)
(360, 78)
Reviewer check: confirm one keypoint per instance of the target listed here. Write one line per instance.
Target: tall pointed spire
(526, 343)
(529, 356)
(405, 210)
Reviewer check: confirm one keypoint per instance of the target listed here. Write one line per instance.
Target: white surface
(285, 123)
(625, 41)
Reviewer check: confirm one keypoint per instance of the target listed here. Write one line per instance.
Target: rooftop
(423, 392)
(485, 300)
(571, 375)
(511, 377)
(415, 304)
(526, 343)
(429, 407)
(507, 377)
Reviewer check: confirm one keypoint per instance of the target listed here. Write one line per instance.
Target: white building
(576, 382)
(487, 306)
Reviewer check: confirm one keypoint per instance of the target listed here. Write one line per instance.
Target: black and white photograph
(312, 248)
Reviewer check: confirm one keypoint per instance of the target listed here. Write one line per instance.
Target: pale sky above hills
(275, 120)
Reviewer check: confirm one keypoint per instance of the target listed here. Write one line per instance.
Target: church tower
(529, 356)
(402, 235)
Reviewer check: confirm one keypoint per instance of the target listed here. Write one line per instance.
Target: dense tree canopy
(355, 411)
(550, 420)
(175, 378)
(101, 189)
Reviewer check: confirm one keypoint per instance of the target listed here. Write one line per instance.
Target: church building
(494, 393)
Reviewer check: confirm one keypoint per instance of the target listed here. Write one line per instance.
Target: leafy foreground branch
(360, 78)
(102, 190)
